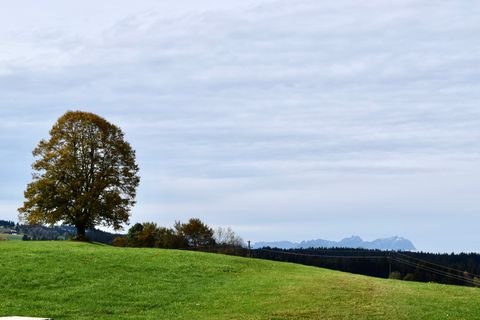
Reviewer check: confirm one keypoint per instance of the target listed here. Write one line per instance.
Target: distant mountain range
(392, 243)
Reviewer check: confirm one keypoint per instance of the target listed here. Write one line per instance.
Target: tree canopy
(191, 235)
(84, 175)
(196, 233)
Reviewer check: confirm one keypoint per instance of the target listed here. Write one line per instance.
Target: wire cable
(435, 271)
(438, 265)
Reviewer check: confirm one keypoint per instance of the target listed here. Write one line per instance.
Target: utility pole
(389, 265)
(249, 249)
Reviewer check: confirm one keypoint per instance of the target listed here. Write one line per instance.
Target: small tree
(149, 234)
(395, 275)
(196, 233)
(168, 238)
(227, 237)
(476, 281)
(133, 235)
(85, 175)
(120, 241)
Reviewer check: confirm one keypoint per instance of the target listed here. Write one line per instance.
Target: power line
(435, 271)
(438, 265)
(397, 257)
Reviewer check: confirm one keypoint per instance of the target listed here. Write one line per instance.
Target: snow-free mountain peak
(390, 243)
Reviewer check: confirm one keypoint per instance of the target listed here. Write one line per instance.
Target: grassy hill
(5, 236)
(68, 280)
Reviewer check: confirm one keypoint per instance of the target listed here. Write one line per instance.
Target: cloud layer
(285, 119)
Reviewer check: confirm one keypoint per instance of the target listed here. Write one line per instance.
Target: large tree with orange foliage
(84, 175)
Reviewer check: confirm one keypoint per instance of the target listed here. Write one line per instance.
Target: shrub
(395, 275)
(120, 242)
(409, 277)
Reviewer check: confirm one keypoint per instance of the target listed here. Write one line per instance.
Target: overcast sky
(285, 120)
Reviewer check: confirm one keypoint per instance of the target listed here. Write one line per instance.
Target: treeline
(7, 224)
(62, 232)
(193, 235)
(458, 269)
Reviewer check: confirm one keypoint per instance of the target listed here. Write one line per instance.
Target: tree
(196, 233)
(168, 238)
(227, 237)
(133, 234)
(84, 175)
(120, 241)
(147, 236)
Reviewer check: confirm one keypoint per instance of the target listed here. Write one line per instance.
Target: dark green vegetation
(458, 269)
(71, 280)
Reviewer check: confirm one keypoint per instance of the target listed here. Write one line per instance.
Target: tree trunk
(81, 233)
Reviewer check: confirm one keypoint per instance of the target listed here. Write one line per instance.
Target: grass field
(68, 280)
(4, 236)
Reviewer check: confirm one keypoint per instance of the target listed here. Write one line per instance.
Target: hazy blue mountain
(392, 243)
(278, 244)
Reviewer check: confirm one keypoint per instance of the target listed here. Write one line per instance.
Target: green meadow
(71, 280)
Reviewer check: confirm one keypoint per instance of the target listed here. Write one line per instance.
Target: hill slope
(67, 280)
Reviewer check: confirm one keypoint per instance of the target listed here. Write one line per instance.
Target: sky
(282, 119)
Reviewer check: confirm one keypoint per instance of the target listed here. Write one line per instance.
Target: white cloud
(247, 108)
